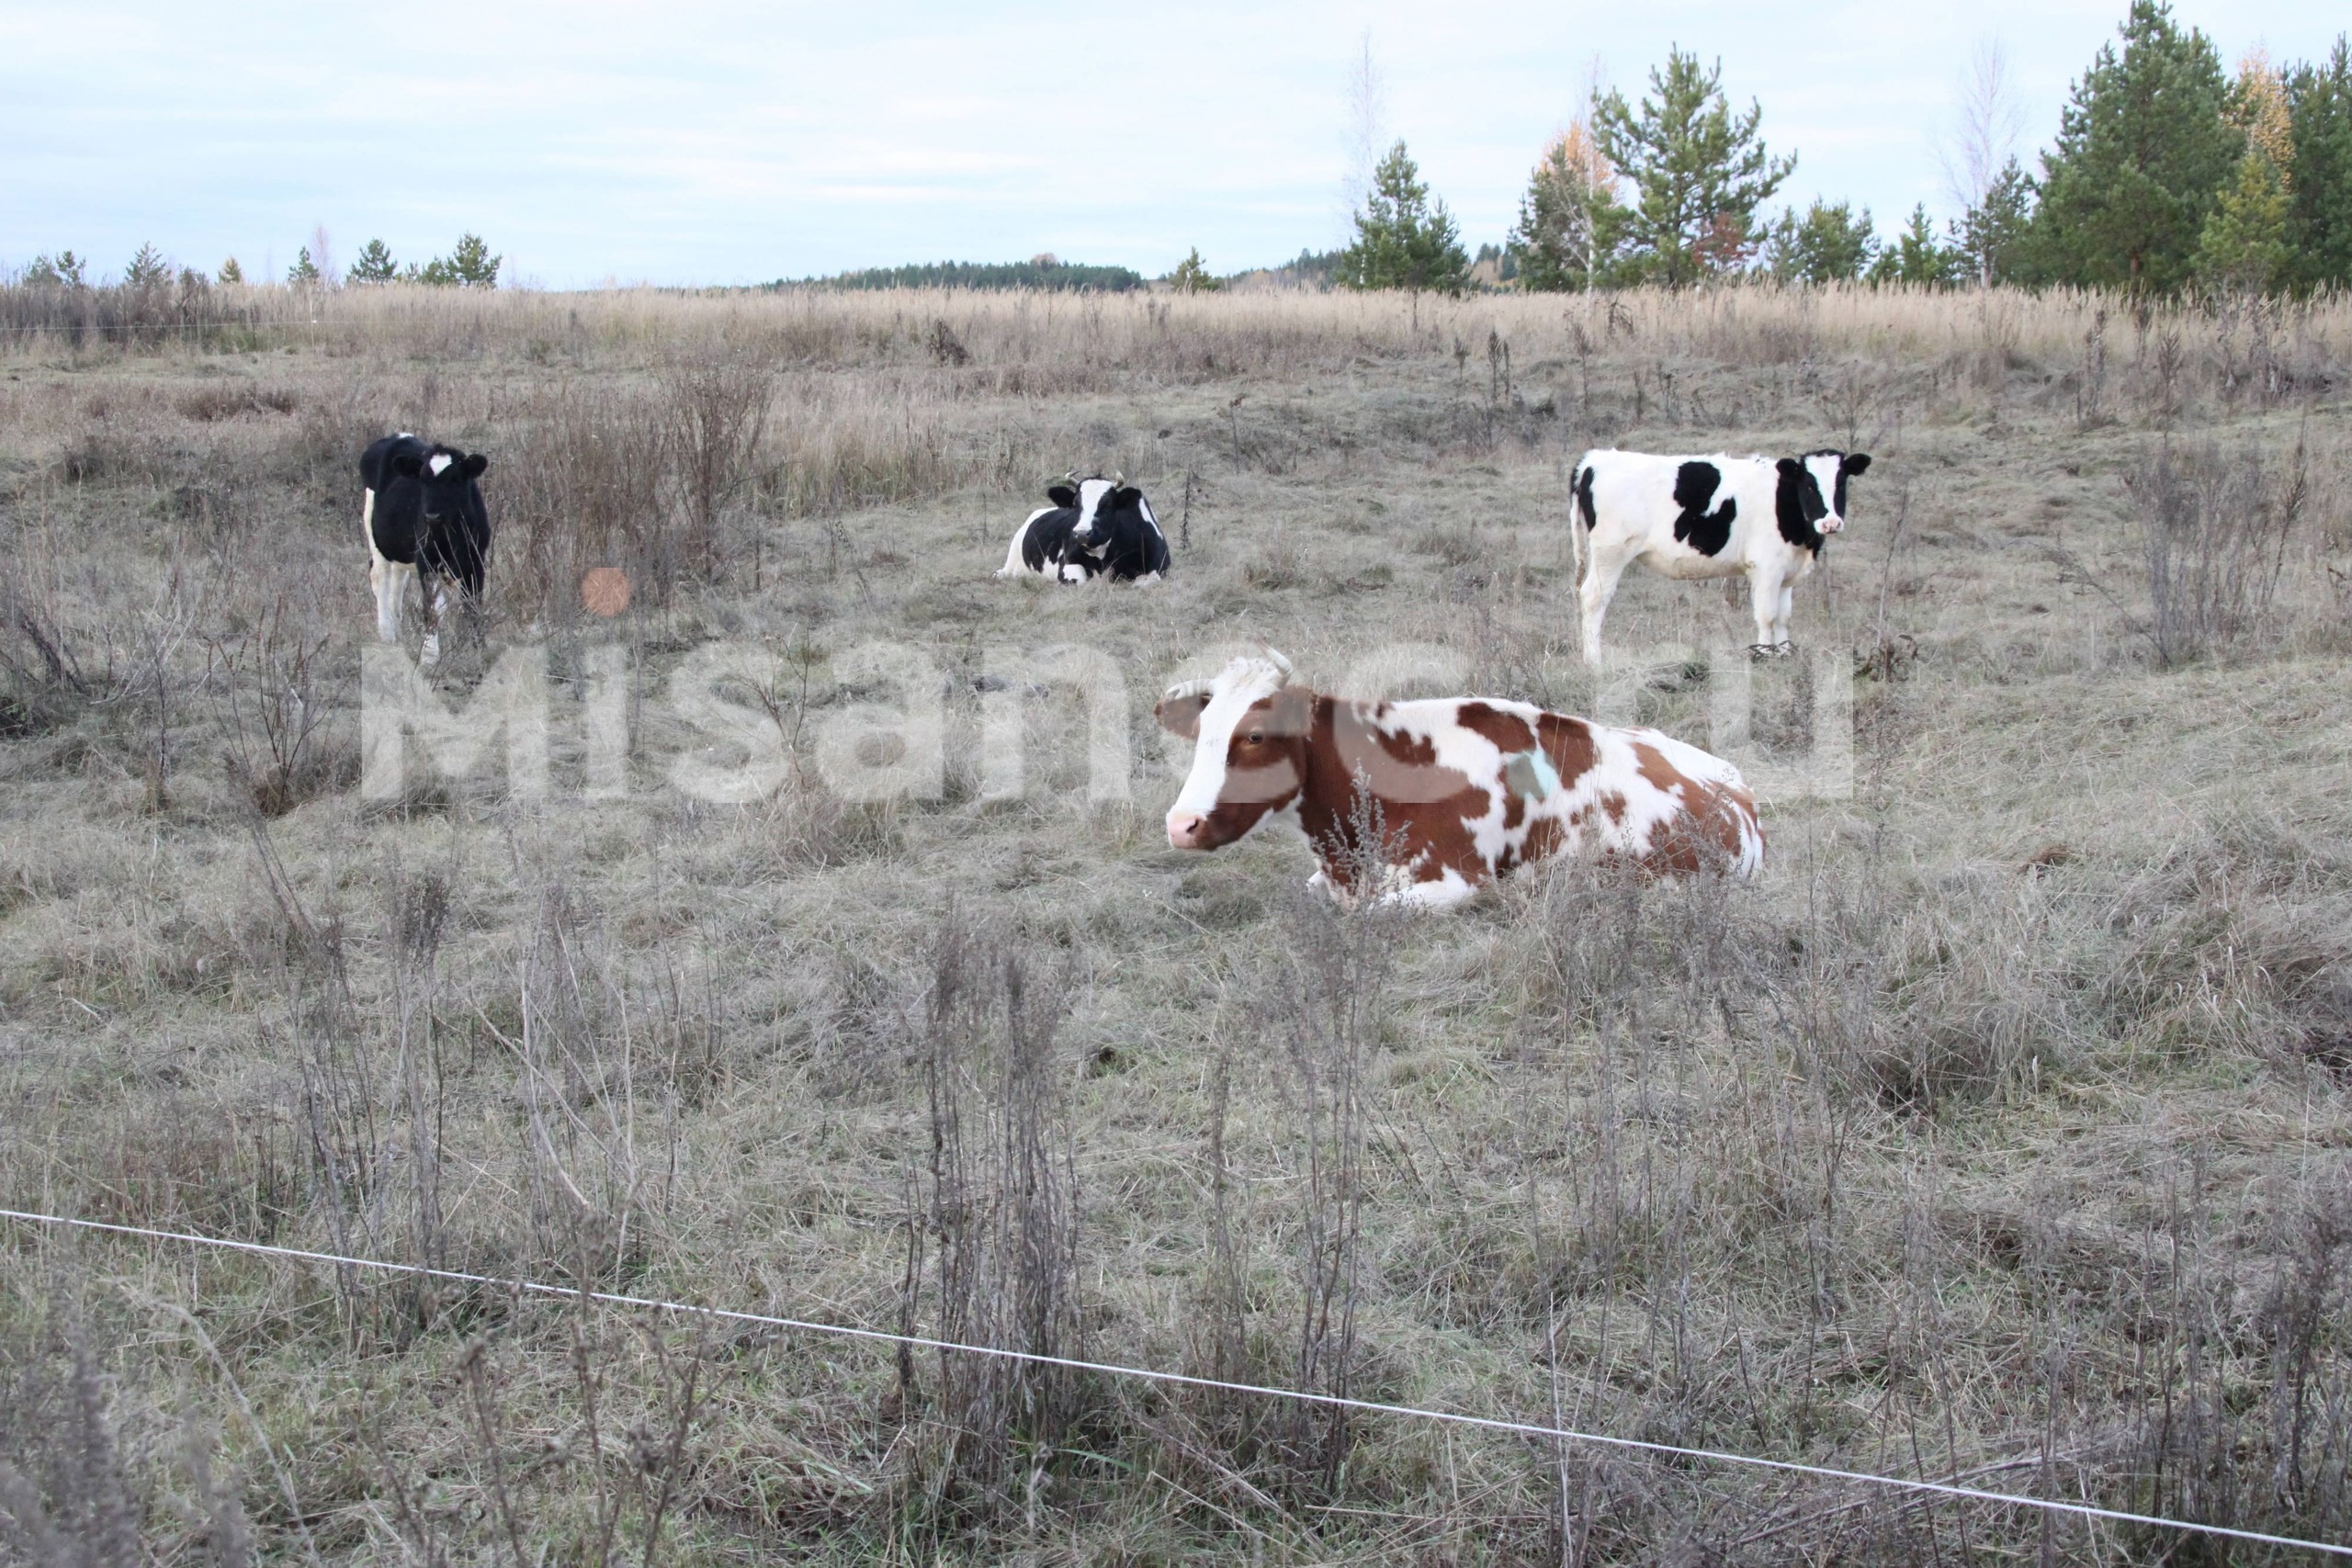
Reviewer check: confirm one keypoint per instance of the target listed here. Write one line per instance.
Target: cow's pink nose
(1184, 829)
(1831, 525)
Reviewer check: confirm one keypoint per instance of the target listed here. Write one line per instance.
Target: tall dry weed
(2216, 529)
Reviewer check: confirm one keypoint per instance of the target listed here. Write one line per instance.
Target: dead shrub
(718, 415)
(67, 1498)
(992, 1251)
(281, 752)
(2216, 530)
(589, 470)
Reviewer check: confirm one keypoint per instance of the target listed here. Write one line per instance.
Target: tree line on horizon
(469, 265)
(2166, 174)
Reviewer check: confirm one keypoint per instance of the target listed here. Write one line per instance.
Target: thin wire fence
(1375, 1407)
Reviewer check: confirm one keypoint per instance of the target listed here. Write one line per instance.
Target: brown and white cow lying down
(1464, 788)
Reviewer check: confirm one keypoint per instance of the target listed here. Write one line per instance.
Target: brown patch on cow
(1705, 835)
(1707, 832)
(1412, 751)
(1423, 808)
(1569, 743)
(1613, 803)
(1509, 732)
(1514, 810)
(1544, 836)
(1663, 774)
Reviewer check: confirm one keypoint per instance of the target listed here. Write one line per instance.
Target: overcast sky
(694, 143)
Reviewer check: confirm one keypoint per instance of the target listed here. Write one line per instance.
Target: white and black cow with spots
(1096, 527)
(1706, 517)
(424, 517)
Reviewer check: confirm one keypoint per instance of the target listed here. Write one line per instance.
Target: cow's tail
(1578, 479)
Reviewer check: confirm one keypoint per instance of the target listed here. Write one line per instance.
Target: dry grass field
(2002, 1132)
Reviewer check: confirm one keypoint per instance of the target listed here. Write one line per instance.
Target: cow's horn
(1118, 479)
(1183, 688)
(1282, 665)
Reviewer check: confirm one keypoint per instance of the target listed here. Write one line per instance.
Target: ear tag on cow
(1531, 775)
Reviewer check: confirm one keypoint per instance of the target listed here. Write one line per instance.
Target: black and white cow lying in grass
(1702, 517)
(1096, 527)
(424, 517)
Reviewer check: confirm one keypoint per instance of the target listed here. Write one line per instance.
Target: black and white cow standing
(1096, 527)
(424, 517)
(1706, 517)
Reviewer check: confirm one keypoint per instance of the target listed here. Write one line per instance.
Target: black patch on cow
(1694, 486)
(1797, 505)
(1125, 541)
(435, 522)
(1855, 464)
(1584, 498)
(1047, 538)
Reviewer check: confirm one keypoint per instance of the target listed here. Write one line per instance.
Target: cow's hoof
(1784, 651)
(1760, 650)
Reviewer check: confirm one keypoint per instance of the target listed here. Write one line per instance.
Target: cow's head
(1248, 728)
(1812, 499)
(446, 476)
(1100, 503)
(457, 525)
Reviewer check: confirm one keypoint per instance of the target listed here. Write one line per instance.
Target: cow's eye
(1256, 738)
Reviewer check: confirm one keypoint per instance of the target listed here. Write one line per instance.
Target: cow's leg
(1781, 621)
(383, 577)
(390, 580)
(1601, 570)
(1764, 600)
(436, 601)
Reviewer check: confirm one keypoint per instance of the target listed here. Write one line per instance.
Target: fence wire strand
(1369, 1407)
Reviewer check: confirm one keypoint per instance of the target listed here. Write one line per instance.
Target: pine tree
(1404, 240)
(1698, 173)
(1570, 223)
(2245, 242)
(1915, 257)
(1829, 244)
(2143, 153)
(231, 272)
(1193, 277)
(147, 270)
(2319, 222)
(1989, 241)
(63, 270)
(471, 264)
(304, 272)
(374, 263)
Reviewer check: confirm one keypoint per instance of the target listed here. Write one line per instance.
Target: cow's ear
(476, 466)
(1062, 495)
(407, 463)
(1125, 497)
(1181, 715)
(1790, 466)
(1858, 463)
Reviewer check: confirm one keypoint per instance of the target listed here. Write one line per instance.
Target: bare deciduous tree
(1364, 128)
(1988, 122)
